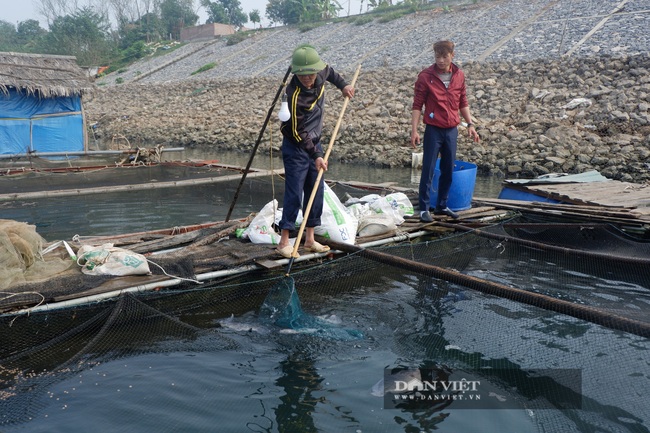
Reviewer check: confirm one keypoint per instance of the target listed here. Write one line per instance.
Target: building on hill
(41, 104)
(206, 31)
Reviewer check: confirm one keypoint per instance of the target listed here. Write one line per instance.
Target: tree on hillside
(225, 12)
(130, 11)
(52, 9)
(176, 14)
(28, 34)
(301, 11)
(148, 28)
(84, 34)
(254, 17)
(379, 3)
(284, 11)
(328, 8)
(7, 36)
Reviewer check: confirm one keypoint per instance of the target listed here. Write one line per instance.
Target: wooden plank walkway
(611, 193)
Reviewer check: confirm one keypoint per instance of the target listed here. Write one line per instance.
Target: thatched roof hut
(45, 75)
(41, 110)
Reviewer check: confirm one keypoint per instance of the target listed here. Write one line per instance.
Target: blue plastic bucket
(462, 186)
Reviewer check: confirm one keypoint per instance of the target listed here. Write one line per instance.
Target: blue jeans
(299, 176)
(441, 141)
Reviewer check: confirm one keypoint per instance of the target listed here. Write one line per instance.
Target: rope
(27, 310)
(174, 276)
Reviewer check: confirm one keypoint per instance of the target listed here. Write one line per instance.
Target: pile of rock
(534, 117)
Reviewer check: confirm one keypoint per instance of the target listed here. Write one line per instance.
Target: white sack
(376, 224)
(260, 230)
(395, 205)
(337, 223)
(109, 260)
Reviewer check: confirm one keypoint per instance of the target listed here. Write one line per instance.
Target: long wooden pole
(565, 251)
(130, 187)
(257, 143)
(579, 311)
(346, 100)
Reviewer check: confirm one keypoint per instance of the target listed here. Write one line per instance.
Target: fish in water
(242, 325)
(456, 296)
(282, 308)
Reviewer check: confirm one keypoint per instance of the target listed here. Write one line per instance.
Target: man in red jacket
(441, 90)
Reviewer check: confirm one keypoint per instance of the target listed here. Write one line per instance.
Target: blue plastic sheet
(31, 123)
(18, 104)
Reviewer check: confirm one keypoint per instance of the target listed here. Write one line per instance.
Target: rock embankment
(534, 117)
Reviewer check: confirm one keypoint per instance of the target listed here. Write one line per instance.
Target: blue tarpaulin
(30, 123)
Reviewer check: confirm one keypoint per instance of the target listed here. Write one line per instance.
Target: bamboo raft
(610, 201)
(210, 252)
(107, 179)
(609, 194)
(191, 255)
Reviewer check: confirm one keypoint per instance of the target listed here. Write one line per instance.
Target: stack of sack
(370, 215)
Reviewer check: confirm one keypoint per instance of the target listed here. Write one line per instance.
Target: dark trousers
(441, 141)
(299, 176)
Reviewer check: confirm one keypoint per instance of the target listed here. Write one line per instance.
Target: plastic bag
(358, 210)
(109, 260)
(396, 205)
(337, 223)
(376, 224)
(260, 230)
(401, 203)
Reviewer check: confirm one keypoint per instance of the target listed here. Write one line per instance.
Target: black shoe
(446, 211)
(425, 217)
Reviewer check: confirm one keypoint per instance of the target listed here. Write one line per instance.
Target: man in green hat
(302, 153)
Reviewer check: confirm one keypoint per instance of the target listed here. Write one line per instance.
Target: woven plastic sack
(260, 230)
(396, 205)
(336, 222)
(109, 260)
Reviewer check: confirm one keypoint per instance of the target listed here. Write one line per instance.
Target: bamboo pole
(83, 153)
(257, 143)
(583, 312)
(131, 187)
(566, 251)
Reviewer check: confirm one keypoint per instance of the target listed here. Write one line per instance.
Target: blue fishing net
(282, 308)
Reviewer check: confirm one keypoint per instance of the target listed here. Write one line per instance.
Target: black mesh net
(205, 356)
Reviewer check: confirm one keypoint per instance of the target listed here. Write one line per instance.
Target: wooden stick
(580, 311)
(221, 234)
(257, 143)
(294, 254)
(144, 186)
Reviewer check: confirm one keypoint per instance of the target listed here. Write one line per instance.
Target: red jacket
(441, 105)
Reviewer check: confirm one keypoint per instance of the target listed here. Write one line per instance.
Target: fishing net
(282, 308)
(250, 354)
(21, 258)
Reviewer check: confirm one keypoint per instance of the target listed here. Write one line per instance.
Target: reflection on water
(259, 378)
(193, 367)
(486, 186)
(133, 211)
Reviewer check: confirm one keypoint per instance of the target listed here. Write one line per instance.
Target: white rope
(27, 310)
(174, 276)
